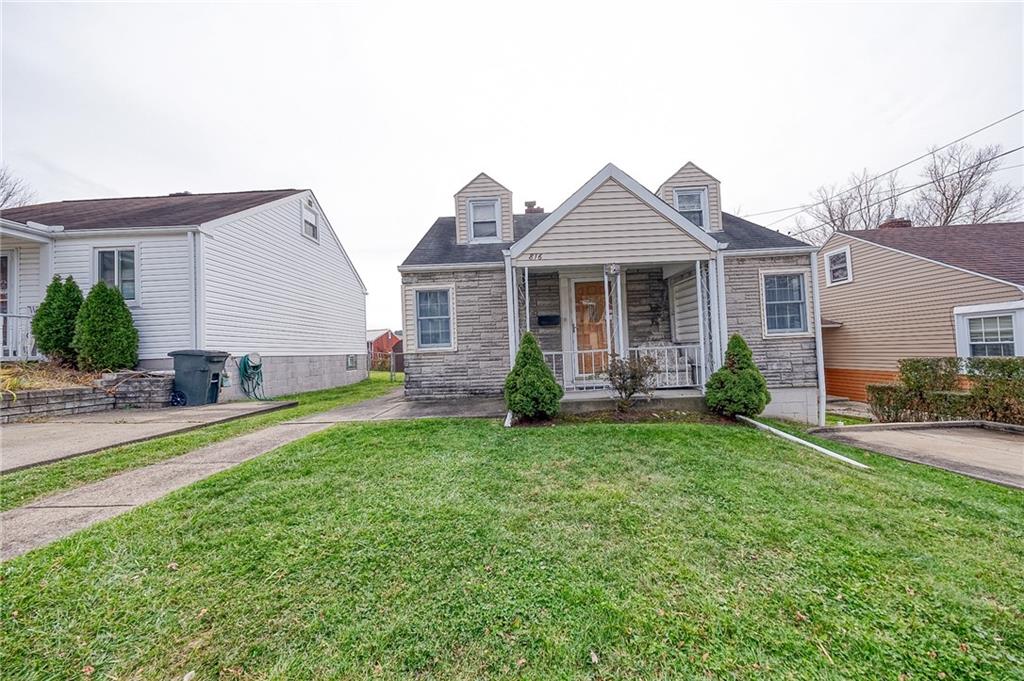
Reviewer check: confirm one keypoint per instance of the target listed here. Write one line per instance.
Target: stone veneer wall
(788, 362)
(648, 314)
(545, 299)
(480, 363)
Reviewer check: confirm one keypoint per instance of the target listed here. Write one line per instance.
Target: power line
(804, 207)
(916, 187)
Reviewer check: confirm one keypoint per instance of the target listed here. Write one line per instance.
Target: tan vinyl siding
(685, 322)
(613, 225)
(690, 176)
(897, 306)
(483, 187)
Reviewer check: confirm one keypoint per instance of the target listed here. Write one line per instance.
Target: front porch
(23, 261)
(582, 316)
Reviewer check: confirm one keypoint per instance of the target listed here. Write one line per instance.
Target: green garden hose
(250, 376)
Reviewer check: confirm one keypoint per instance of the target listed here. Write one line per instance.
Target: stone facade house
(616, 269)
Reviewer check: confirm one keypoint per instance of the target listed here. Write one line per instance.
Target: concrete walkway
(48, 519)
(33, 444)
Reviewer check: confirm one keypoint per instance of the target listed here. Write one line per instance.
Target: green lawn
(21, 487)
(458, 549)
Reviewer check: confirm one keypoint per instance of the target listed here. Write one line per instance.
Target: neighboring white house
(255, 271)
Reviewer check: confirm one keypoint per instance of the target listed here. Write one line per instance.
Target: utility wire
(914, 188)
(804, 207)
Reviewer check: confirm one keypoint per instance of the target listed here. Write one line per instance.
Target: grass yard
(20, 487)
(458, 549)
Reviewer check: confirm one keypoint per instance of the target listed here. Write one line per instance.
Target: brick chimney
(532, 207)
(895, 223)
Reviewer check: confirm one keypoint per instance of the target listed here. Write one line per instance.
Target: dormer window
(310, 224)
(483, 219)
(692, 204)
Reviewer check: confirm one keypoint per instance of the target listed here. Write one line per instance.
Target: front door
(591, 329)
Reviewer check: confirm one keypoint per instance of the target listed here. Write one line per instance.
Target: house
(242, 272)
(618, 269)
(901, 291)
(381, 341)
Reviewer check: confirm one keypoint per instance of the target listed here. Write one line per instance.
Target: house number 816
(535, 256)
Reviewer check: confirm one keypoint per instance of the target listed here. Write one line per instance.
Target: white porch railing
(679, 366)
(18, 343)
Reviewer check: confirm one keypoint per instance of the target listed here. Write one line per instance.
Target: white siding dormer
(477, 199)
(690, 181)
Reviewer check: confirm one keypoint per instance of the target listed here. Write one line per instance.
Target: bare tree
(866, 202)
(962, 190)
(14, 191)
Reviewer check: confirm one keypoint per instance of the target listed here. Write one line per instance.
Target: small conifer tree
(53, 324)
(105, 335)
(531, 391)
(738, 387)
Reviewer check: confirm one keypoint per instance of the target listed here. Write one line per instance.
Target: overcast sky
(386, 109)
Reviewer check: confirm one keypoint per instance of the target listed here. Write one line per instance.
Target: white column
(723, 320)
(716, 335)
(510, 309)
(526, 277)
(620, 343)
(819, 352)
(607, 311)
(700, 324)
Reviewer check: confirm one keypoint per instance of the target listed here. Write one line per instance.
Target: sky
(386, 109)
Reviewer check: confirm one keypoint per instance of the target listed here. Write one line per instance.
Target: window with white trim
(838, 269)
(484, 215)
(784, 296)
(310, 224)
(433, 318)
(351, 362)
(116, 267)
(991, 336)
(692, 204)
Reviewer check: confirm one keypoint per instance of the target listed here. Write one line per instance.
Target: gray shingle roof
(438, 246)
(144, 211)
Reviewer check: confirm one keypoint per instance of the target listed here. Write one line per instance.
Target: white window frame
(116, 248)
(310, 215)
(703, 193)
(829, 281)
(351, 362)
(471, 205)
(809, 332)
(964, 313)
(453, 344)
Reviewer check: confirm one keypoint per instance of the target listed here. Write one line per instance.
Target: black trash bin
(197, 375)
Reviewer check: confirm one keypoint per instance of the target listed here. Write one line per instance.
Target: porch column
(619, 343)
(714, 299)
(510, 309)
(723, 324)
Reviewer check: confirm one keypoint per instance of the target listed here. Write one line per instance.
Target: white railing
(679, 366)
(18, 343)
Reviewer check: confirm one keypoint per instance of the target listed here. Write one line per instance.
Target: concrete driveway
(23, 445)
(995, 455)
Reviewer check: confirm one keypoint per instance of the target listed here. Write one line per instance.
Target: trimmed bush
(925, 374)
(531, 391)
(53, 324)
(738, 388)
(997, 388)
(889, 402)
(105, 335)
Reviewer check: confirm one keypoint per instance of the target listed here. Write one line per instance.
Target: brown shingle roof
(995, 249)
(144, 211)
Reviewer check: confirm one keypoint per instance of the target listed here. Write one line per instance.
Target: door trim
(583, 279)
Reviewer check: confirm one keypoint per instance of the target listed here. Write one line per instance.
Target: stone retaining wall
(127, 390)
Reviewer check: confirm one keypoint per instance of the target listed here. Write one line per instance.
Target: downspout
(818, 350)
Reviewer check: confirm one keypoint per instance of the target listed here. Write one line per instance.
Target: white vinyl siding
(692, 177)
(268, 288)
(613, 225)
(162, 309)
(483, 187)
(30, 285)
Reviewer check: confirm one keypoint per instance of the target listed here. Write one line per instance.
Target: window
(351, 362)
(483, 220)
(785, 303)
(837, 267)
(310, 224)
(991, 336)
(116, 267)
(692, 204)
(433, 319)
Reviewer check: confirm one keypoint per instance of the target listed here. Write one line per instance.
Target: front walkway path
(50, 518)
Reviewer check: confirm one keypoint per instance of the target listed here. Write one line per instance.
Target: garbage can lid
(213, 354)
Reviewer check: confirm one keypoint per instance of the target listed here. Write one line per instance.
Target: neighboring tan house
(615, 269)
(242, 272)
(900, 291)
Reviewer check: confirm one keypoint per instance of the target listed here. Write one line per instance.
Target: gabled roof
(374, 334)
(611, 172)
(484, 175)
(994, 250)
(144, 211)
